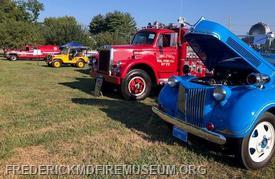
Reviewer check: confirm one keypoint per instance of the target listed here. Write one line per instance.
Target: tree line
(19, 26)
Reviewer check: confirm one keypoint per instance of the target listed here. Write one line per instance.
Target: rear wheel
(137, 85)
(256, 150)
(13, 57)
(80, 64)
(57, 64)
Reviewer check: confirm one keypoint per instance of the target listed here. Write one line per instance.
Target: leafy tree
(21, 34)
(120, 22)
(63, 30)
(10, 10)
(16, 25)
(107, 38)
(98, 24)
(112, 28)
(32, 7)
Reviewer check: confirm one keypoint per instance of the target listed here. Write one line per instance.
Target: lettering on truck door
(167, 55)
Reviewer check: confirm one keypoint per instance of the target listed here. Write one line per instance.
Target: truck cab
(154, 55)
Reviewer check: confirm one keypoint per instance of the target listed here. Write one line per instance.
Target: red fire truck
(38, 53)
(155, 54)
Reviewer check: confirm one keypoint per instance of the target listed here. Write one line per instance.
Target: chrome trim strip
(163, 81)
(200, 132)
(111, 61)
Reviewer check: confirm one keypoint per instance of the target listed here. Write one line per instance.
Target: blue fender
(238, 117)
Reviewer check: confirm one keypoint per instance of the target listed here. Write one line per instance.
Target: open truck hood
(214, 43)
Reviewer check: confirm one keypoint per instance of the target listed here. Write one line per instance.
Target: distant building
(261, 38)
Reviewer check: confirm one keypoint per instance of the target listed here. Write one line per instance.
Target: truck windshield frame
(144, 38)
(65, 51)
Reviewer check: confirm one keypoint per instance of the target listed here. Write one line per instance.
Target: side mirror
(186, 69)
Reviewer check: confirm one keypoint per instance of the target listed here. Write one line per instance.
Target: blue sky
(243, 13)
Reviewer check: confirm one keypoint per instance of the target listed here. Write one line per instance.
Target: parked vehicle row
(216, 86)
(55, 56)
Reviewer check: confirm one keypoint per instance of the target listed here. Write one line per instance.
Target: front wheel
(137, 85)
(80, 64)
(256, 150)
(57, 64)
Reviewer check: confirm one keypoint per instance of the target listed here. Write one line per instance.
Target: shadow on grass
(83, 84)
(134, 115)
(85, 71)
(87, 85)
(138, 117)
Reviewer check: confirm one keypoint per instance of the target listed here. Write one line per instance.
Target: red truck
(155, 54)
(38, 53)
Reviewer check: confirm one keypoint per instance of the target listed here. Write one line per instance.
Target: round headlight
(219, 94)
(257, 79)
(173, 81)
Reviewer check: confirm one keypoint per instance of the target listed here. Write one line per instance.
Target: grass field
(48, 116)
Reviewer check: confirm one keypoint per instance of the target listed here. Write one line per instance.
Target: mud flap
(98, 85)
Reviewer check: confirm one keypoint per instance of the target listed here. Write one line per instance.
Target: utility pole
(229, 23)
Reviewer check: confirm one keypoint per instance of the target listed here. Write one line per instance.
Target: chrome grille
(104, 61)
(191, 103)
(181, 99)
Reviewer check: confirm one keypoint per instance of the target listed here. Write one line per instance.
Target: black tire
(242, 148)
(144, 78)
(13, 57)
(80, 64)
(57, 63)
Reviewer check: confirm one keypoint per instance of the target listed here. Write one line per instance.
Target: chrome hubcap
(261, 142)
(137, 86)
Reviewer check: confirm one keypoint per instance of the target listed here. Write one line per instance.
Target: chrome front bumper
(200, 132)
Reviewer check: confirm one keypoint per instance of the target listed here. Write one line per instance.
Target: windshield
(144, 37)
(65, 51)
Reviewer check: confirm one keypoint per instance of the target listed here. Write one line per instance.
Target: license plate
(98, 85)
(180, 134)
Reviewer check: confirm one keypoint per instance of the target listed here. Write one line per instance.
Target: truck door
(167, 56)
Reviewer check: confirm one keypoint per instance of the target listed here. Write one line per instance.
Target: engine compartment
(231, 73)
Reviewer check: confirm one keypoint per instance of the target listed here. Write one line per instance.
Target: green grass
(48, 116)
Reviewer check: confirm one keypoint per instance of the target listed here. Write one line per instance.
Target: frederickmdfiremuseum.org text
(105, 170)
